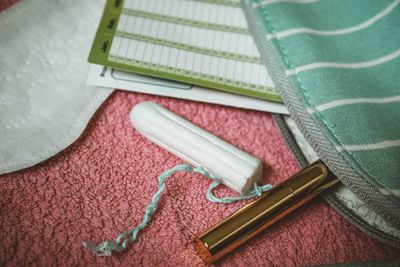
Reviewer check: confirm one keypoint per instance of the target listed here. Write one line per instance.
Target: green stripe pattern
(188, 47)
(182, 21)
(343, 59)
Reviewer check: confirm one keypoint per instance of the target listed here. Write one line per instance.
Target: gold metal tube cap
(264, 211)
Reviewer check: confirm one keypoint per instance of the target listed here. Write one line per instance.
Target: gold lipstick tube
(261, 213)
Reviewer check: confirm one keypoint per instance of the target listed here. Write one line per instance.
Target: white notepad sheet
(108, 77)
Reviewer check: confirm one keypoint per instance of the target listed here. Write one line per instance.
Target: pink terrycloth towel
(4, 4)
(99, 187)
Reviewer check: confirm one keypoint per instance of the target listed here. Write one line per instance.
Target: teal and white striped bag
(337, 67)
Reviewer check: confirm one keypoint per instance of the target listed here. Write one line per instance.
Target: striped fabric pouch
(337, 67)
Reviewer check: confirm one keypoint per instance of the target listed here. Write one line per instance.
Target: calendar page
(206, 43)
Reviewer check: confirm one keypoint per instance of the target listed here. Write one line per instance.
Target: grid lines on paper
(199, 40)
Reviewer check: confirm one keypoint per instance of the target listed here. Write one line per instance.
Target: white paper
(108, 77)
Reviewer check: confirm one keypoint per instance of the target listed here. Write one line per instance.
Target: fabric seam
(340, 166)
(330, 197)
(320, 116)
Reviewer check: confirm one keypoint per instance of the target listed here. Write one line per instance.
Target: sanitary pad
(45, 103)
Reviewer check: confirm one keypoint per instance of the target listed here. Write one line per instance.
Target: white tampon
(234, 167)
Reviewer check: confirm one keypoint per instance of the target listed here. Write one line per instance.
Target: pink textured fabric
(4, 4)
(101, 184)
